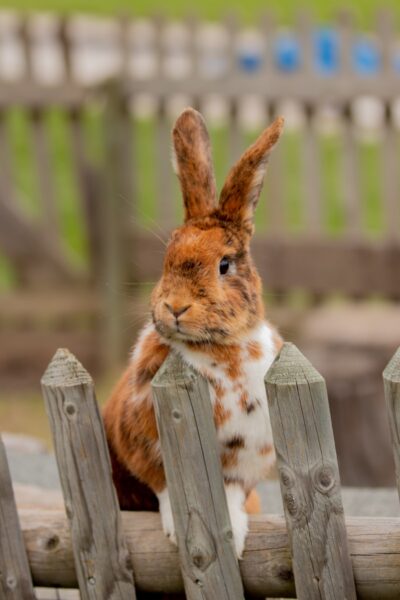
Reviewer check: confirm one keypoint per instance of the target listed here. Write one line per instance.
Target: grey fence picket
(391, 379)
(195, 484)
(101, 556)
(15, 575)
(309, 478)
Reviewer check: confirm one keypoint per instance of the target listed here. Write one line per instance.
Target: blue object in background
(287, 53)
(365, 57)
(326, 51)
(249, 61)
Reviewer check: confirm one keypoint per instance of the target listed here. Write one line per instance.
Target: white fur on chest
(252, 463)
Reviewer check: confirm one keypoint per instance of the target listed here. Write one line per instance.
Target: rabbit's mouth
(175, 329)
(179, 332)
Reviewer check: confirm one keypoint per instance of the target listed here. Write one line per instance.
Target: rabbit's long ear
(192, 163)
(242, 187)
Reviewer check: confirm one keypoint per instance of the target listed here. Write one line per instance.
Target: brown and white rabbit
(208, 307)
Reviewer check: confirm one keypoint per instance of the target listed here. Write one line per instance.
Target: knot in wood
(176, 414)
(70, 409)
(199, 542)
(228, 535)
(287, 477)
(324, 478)
(291, 504)
(11, 582)
(69, 510)
(52, 542)
(199, 558)
(92, 580)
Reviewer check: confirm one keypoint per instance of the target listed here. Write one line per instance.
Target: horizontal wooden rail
(266, 568)
(338, 90)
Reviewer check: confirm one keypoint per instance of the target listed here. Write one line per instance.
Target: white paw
(239, 518)
(167, 519)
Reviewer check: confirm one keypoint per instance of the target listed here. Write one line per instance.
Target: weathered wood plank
(36, 259)
(15, 575)
(26, 41)
(163, 169)
(266, 566)
(64, 40)
(391, 380)
(312, 196)
(90, 181)
(309, 478)
(101, 556)
(327, 90)
(194, 476)
(7, 183)
(351, 177)
(45, 171)
(390, 178)
(28, 94)
(118, 220)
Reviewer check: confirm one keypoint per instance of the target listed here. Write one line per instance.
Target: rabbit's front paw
(167, 520)
(239, 519)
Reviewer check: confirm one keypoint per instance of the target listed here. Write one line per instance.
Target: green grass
(285, 10)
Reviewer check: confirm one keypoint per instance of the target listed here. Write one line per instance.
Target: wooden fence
(120, 195)
(318, 554)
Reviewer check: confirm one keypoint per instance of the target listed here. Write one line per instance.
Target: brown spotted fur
(216, 317)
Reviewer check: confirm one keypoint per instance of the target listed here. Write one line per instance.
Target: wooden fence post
(309, 478)
(118, 217)
(15, 576)
(391, 381)
(101, 557)
(194, 476)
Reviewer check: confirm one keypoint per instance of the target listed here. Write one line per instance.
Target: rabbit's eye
(224, 266)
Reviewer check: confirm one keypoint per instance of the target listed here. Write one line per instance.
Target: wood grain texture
(50, 218)
(194, 477)
(391, 381)
(37, 255)
(266, 567)
(311, 156)
(309, 478)
(101, 556)
(15, 575)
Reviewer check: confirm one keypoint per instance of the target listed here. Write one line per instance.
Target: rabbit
(207, 306)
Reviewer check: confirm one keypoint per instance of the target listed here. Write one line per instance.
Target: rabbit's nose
(177, 312)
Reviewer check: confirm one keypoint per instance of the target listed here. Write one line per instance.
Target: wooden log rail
(266, 568)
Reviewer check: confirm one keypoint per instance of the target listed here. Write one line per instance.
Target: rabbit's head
(210, 290)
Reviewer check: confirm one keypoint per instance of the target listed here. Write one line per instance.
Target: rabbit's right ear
(192, 163)
(242, 187)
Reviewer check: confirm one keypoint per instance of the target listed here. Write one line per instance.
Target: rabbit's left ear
(242, 187)
(192, 163)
